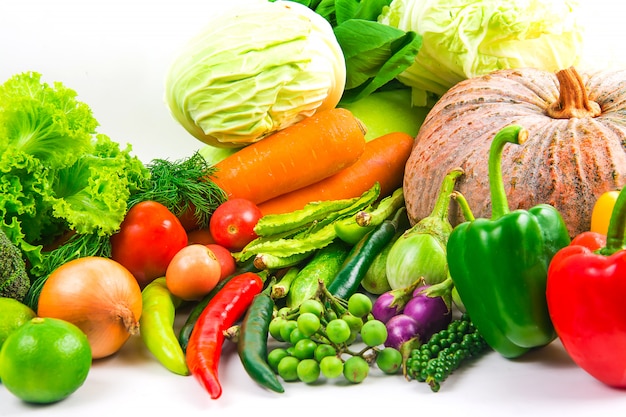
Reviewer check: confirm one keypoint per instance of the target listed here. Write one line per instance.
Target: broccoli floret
(14, 281)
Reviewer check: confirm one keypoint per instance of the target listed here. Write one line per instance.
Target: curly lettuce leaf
(58, 176)
(44, 121)
(91, 195)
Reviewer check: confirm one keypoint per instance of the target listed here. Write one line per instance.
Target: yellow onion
(99, 296)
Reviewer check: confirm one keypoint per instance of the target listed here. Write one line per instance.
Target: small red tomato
(148, 239)
(226, 258)
(232, 223)
(193, 272)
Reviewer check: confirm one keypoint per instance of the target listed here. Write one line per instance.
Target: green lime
(12, 315)
(45, 360)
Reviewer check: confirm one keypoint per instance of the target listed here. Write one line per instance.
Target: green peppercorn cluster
(434, 361)
(319, 339)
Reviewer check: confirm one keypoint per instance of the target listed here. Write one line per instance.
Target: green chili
(252, 342)
(362, 256)
(157, 326)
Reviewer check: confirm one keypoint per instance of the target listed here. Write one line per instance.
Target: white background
(115, 55)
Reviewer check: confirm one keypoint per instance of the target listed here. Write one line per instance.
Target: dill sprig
(181, 186)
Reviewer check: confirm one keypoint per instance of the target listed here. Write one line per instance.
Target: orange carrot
(382, 161)
(295, 157)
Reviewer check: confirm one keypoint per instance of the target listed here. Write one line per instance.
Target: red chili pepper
(585, 294)
(205, 343)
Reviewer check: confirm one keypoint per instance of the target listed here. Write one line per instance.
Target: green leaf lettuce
(58, 176)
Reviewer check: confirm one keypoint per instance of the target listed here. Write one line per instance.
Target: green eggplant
(421, 250)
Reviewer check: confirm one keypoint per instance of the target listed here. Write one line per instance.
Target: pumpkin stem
(573, 100)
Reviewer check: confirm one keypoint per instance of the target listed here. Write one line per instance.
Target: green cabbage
(466, 38)
(57, 174)
(258, 67)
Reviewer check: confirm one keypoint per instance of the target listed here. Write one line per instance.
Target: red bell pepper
(586, 289)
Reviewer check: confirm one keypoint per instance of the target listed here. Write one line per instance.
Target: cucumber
(324, 266)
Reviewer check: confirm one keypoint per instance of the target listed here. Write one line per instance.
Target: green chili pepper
(499, 265)
(252, 342)
(386, 208)
(157, 326)
(185, 331)
(362, 256)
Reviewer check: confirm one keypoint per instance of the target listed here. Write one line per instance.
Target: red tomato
(226, 258)
(193, 272)
(148, 239)
(232, 223)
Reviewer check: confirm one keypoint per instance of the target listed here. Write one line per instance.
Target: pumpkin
(575, 150)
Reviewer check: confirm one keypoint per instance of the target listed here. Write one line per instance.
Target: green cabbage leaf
(467, 38)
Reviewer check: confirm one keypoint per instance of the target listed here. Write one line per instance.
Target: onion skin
(98, 295)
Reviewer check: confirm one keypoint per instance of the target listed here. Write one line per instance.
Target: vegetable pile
(321, 253)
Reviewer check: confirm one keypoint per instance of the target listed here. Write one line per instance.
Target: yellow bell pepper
(601, 213)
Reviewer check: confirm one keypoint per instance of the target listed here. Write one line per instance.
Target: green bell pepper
(499, 265)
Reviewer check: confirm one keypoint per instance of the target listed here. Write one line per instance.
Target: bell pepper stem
(616, 237)
(509, 134)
